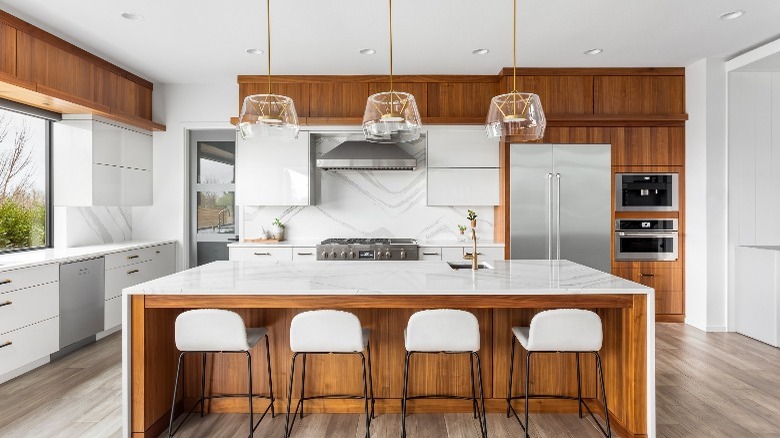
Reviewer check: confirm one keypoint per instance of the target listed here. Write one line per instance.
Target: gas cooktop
(368, 248)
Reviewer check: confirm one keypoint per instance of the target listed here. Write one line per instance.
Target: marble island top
(513, 277)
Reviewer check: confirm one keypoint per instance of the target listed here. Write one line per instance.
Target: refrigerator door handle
(549, 215)
(558, 217)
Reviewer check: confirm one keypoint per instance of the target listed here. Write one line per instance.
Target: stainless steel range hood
(364, 155)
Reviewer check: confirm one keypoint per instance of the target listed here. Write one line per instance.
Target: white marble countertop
(26, 259)
(312, 243)
(518, 277)
(766, 247)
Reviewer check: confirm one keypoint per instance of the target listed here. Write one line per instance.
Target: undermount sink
(467, 265)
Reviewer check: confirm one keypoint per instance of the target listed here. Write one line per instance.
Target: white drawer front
(24, 307)
(126, 258)
(261, 254)
(21, 278)
(304, 253)
(112, 313)
(452, 254)
(26, 345)
(430, 253)
(120, 278)
(164, 260)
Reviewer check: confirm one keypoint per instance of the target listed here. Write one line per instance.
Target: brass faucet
(474, 254)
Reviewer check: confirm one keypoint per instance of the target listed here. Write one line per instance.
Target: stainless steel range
(368, 249)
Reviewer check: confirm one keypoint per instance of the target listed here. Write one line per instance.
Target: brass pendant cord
(268, 47)
(391, 46)
(514, 47)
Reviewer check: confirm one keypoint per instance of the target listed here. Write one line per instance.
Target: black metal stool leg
(473, 390)
(303, 383)
(203, 385)
(270, 380)
(287, 428)
(251, 408)
(603, 392)
(370, 379)
(175, 390)
(483, 418)
(365, 396)
(579, 386)
(403, 399)
(511, 374)
(527, 373)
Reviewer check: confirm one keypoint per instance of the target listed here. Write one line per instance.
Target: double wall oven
(649, 238)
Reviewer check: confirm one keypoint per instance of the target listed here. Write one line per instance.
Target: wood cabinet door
(667, 282)
(644, 146)
(8, 49)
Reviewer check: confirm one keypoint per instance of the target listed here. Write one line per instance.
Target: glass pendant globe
(268, 115)
(517, 114)
(391, 116)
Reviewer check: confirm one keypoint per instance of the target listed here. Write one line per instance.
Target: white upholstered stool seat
(444, 331)
(559, 331)
(328, 332)
(206, 331)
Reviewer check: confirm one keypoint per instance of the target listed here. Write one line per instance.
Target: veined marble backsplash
(83, 226)
(358, 203)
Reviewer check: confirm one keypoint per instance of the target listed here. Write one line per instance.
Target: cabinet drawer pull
(7, 303)
(647, 275)
(157, 252)
(134, 271)
(263, 253)
(134, 256)
(430, 253)
(6, 344)
(305, 253)
(469, 254)
(6, 281)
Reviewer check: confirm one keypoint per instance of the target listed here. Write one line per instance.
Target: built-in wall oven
(646, 191)
(646, 239)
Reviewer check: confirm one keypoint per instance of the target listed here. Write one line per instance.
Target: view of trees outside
(216, 200)
(22, 181)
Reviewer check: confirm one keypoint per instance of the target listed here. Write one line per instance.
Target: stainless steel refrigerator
(561, 202)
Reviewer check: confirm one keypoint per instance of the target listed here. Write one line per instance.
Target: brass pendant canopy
(268, 115)
(391, 116)
(517, 114)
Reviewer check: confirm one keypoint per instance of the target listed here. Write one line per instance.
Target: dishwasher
(82, 299)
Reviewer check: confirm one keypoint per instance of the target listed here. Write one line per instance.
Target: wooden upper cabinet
(298, 92)
(639, 146)
(417, 89)
(7, 50)
(337, 99)
(57, 71)
(460, 99)
(559, 94)
(639, 94)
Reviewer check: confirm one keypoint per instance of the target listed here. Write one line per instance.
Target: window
(24, 179)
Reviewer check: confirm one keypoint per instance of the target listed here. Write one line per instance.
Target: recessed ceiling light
(254, 51)
(367, 51)
(132, 16)
(732, 15)
(480, 51)
(593, 51)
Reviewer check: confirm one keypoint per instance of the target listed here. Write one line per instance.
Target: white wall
(706, 195)
(181, 107)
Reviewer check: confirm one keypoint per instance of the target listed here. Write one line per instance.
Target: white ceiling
(200, 41)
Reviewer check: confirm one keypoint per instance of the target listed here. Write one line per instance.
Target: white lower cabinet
(304, 253)
(429, 253)
(28, 344)
(27, 306)
(113, 312)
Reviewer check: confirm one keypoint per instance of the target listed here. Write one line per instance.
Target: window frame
(50, 118)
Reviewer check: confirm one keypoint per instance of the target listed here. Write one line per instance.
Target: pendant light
(268, 115)
(517, 114)
(391, 116)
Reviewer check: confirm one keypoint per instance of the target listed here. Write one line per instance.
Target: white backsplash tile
(83, 226)
(359, 203)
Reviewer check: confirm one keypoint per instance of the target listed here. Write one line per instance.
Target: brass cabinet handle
(6, 344)
(646, 275)
(7, 303)
(430, 253)
(470, 254)
(263, 253)
(305, 253)
(157, 252)
(134, 256)
(134, 271)
(6, 281)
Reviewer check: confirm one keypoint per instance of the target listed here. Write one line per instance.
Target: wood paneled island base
(150, 356)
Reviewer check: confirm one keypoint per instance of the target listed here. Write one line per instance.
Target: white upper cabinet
(274, 172)
(462, 167)
(99, 163)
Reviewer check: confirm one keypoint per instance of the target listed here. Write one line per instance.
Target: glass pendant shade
(268, 115)
(391, 116)
(517, 114)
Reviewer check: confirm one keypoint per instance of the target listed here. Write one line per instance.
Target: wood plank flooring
(708, 384)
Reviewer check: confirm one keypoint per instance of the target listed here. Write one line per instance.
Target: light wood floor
(708, 385)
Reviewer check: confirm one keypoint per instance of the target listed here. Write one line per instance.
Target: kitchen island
(384, 295)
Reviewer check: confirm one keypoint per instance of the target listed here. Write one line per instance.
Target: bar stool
(219, 331)
(444, 331)
(559, 331)
(328, 332)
